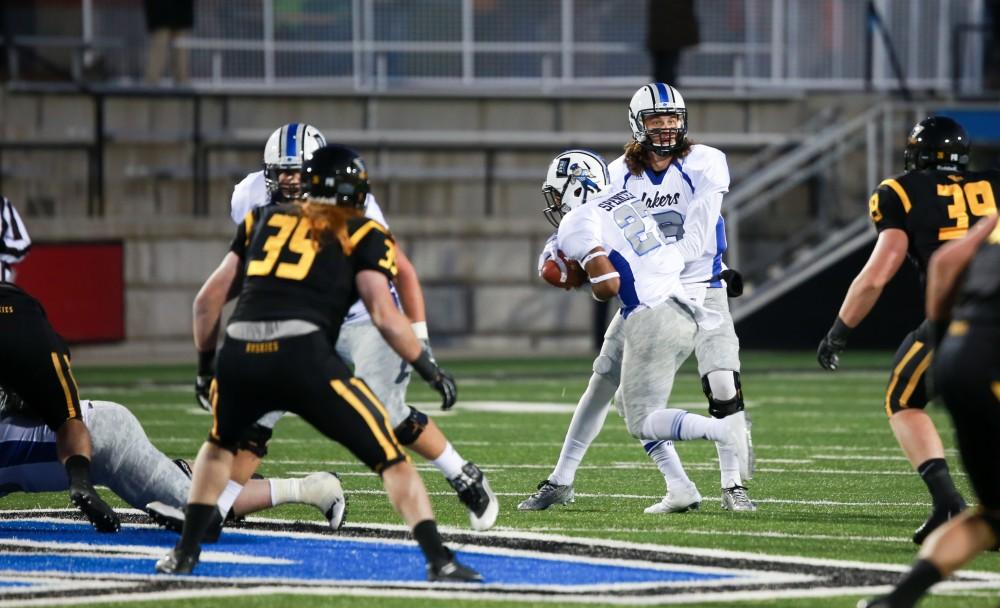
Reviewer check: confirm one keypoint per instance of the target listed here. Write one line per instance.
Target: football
(575, 274)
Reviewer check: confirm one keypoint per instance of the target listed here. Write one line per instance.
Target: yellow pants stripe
(996, 390)
(388, 446)
(367, 392)
(904, 399)
(65, 386)
(213, 395)
(896, 372)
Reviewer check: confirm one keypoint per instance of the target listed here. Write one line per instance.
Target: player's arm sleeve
(578, 235)
(374, 249)
(888, 206)
(699, 225)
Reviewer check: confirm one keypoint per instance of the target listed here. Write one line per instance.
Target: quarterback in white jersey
(621, 248)
(667, 173)
(359, 342)
(124, 460)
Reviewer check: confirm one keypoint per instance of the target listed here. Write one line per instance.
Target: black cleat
(178, 562)
(452, 571)
(172, 519)
(95, 509)
(934, 521)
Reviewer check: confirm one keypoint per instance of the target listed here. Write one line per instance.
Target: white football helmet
(286, 149)
(572, 178)
(657, 98)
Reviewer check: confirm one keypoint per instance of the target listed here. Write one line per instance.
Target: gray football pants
(657, 341)
(125, 461)
(360, 344)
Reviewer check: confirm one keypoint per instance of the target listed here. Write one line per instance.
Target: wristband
(839, 331)
(420, 330)
(591, 256)
(206, 362)
(604, 277)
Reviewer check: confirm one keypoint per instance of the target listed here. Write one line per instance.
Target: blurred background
(126, 124)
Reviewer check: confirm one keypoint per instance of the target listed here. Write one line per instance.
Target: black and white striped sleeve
(14, 239)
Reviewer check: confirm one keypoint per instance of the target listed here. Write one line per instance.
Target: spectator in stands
(166, 21)
(14, 240)
(671, 26)
(992, 79)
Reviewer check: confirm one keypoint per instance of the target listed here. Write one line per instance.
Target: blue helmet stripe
(290, 138)
(664, 92)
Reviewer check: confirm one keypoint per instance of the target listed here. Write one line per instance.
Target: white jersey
(649, 267)
(252, 193)
(667, 195)
(28, 459)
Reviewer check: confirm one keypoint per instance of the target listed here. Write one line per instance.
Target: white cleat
(332, 502)
(475, 493)
(678, 500)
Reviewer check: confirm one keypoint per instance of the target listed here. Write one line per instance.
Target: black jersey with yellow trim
(933, 207)
(290, 276)
(979, 297)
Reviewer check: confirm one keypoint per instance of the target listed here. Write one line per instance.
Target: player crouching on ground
(125, 461)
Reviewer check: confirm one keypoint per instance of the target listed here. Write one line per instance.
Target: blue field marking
(315, 558)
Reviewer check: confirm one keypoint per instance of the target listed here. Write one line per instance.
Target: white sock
(588, 418)
(284, 491)
(679, 424)
(665, 455)
(729, 466)
(449, 462)
(722, 383)
(228, 496)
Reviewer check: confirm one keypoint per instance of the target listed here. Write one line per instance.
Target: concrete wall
(473, 241)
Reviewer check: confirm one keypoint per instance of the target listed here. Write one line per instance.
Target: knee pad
(721, 409)
(256, 439)
(411, 427)
(608, 367)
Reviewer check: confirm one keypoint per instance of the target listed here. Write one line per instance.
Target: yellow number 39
(977, 197)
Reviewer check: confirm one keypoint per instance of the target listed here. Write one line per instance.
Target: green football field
(831, 482)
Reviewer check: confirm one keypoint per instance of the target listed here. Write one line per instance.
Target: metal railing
(385, 44)
(839, 224)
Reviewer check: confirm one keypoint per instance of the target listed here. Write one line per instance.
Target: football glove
(437, 378)
(834, 343)
(551, 252)
(203, 381)
(202, 392)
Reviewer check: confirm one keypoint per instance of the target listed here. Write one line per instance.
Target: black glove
(203, 382)
(734, 282)
(834, 343)
(439, 380)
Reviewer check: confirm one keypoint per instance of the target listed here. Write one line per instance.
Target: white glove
(551, 252)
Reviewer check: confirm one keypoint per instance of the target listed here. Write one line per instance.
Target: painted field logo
(48, 556)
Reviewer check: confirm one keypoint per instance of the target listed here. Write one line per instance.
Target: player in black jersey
(35, 365)
(306, 264)
(967, 375)
(934, 201)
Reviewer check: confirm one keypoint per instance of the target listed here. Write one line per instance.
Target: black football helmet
(335, 175)
(936, 141)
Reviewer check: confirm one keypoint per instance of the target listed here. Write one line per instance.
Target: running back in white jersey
(649, 270)
(668, 194)
(252, 193)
